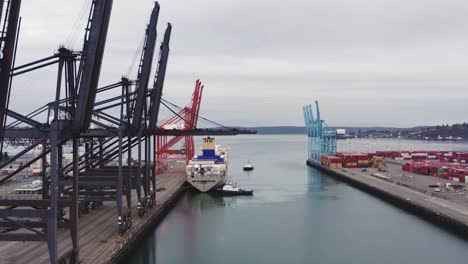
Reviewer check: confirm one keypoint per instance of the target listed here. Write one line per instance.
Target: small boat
(232, 190)
(248, 166)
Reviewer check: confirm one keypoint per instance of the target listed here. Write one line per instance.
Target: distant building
(341, 133)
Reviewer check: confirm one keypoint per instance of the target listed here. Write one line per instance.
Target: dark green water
(297, 215)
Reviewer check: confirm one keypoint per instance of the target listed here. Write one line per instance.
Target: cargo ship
(208, 170)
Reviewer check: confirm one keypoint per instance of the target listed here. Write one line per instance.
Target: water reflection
(178, 237)
(297, 215)
(318, 185)
(147, 251)
(248, 173)
(315, 181)
(208, 200)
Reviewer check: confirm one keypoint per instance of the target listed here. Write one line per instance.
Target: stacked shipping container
(377, 162)
(362, 160)
(331, 162)
(451, 164)
(354, 159)
(452, 171)
(462, 157)
(418, 155)
(349, 161)
(346, 160)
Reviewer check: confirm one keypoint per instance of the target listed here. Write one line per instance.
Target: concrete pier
(98, 232)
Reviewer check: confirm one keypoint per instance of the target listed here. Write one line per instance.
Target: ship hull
(206, 183)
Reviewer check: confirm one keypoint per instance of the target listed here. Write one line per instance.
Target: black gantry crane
(97, 128)
(67, 116)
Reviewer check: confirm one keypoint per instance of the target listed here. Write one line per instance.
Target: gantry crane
(185, 119)
(321, 139)
(80, 116)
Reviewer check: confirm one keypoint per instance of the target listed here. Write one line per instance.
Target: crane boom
(93, 51)
(7, 46)
(145, 67)
(159, 79)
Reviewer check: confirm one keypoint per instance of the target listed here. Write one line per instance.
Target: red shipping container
(407, 167)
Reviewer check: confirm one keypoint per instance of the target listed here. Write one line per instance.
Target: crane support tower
(185, 119)
(322, 140)
(112, 136)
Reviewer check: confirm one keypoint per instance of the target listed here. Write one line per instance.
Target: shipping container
(332, 162)
(349, 165)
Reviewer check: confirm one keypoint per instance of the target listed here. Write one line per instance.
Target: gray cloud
(369, 62)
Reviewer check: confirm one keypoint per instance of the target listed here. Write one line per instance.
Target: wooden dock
(98, 232)
(445, 213)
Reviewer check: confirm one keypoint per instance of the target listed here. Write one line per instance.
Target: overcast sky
(368, 62)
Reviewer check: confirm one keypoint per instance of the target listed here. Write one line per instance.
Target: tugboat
(248, 166)
(208, 170)
(233, 190)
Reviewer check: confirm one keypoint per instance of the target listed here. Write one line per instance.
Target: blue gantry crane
(322, 139)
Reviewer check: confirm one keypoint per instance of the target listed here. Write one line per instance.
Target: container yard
(449, 165)
(432, 184)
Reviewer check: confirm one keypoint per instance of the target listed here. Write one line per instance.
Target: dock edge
(451, 224)
(155, 217)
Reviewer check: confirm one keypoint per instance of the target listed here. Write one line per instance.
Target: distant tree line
(431, 132)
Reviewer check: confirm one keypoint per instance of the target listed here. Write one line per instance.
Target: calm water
(297, 215)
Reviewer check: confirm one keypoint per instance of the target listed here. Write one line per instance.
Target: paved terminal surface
(422, 182)
(99, 241)
(414, 189)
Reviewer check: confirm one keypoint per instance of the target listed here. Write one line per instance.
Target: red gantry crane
(185, 119)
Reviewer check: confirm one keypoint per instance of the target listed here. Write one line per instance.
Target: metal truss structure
(96, 128)
(185, 119)
(321, 139)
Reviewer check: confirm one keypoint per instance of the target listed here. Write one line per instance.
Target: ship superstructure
(208, 170)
